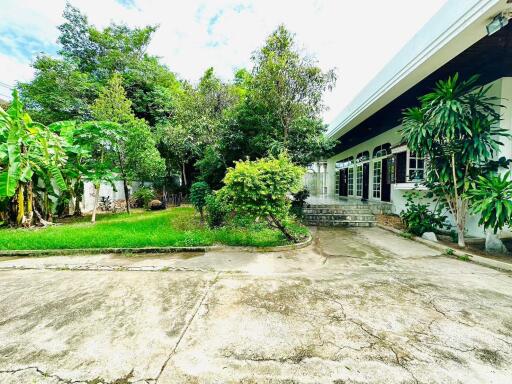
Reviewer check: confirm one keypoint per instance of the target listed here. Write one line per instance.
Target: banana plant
(28, 151)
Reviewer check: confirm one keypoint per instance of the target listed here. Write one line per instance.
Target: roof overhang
(457, 26)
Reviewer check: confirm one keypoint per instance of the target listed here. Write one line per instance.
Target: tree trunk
(96, 199)
(126, 195)
(184, 174)
(20, 214)
(201, 214)
(78, 198)
(30, 204)
(283, 229)
(460, 212)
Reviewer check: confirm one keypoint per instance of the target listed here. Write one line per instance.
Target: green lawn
(172, 227)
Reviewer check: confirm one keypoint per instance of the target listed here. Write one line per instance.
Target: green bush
(298, 202)
(198, 193)
(142, 196)
(492, 199)
(418, 218)
(259, 189)
(216, 211)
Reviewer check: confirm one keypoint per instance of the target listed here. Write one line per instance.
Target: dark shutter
(401, 167)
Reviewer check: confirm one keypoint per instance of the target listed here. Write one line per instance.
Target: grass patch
(178, 227)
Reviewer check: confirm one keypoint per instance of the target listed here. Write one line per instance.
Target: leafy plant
(492, 199)
(198, 193)
(298, 202)
(143, 196)
(456, 128)
(418, 218)
(216, 210)
(31, 156)
(259, 189)
(449, 252)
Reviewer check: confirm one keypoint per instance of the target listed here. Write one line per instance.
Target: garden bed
(175, 227)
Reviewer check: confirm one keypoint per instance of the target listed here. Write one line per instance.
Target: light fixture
(498, 22)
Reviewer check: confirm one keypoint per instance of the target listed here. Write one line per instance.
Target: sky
(356, 37)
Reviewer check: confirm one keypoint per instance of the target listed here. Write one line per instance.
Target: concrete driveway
(357, 306)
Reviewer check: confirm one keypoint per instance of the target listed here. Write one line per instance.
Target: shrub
(418, 218)
(216, 211)
(492, 199)
(142, 196)
(198, 193)
(298, 202)
(259, 189)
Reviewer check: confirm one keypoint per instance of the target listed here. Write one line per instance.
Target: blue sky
(356, 37)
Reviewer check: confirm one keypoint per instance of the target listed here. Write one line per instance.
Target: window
(337, 181)
(377, 172)
(416, 170)
(350, 181)
(382, 150)
(362, 157)
(359, 184)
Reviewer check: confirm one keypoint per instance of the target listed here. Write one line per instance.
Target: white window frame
(408, 168)
(359, 181)
(379, 183)
(350, 181)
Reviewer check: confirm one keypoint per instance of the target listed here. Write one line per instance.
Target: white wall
(105, 190)
(501, 88)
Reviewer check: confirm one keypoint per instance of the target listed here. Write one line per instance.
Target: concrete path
(357, 306)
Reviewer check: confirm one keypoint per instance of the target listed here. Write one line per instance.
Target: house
(468, 37)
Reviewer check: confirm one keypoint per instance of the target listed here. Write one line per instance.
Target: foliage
(492, 199)
(198, 193)
(31, 158)
(298, 202)
(259, 189)
(216, 210)
(172, 227)
(59, 91)
(418, 218)
(288, 84)
(456, 127)
(143, 196)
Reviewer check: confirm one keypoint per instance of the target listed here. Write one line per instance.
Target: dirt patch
(390, 220)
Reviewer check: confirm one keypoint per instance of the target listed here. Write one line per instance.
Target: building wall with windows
(405, 170)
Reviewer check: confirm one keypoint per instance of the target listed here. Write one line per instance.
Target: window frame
(416, 168)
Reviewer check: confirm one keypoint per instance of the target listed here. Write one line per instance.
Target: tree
(31, 156)
(198, 193)
(59, 91)
(259, 189)
(288, 84)
(132, 145)
(456, 128)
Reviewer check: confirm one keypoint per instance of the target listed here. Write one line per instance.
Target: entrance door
(366, 180)
(344, 182)
(385, 191)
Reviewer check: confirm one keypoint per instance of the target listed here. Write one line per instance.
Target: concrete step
(337, 211)
(341, 223)
(339, 216)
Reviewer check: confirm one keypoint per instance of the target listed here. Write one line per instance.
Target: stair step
(338, 211)
(323, 216)
(342, 224)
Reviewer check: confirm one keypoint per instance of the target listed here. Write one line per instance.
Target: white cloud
(357, 38)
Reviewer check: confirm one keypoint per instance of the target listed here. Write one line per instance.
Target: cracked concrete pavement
(357, 306)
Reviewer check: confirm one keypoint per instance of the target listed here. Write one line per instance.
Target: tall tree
(132, 145)
(289, 84)
(456, 128)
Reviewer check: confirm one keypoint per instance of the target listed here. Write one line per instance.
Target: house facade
(465, 37)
